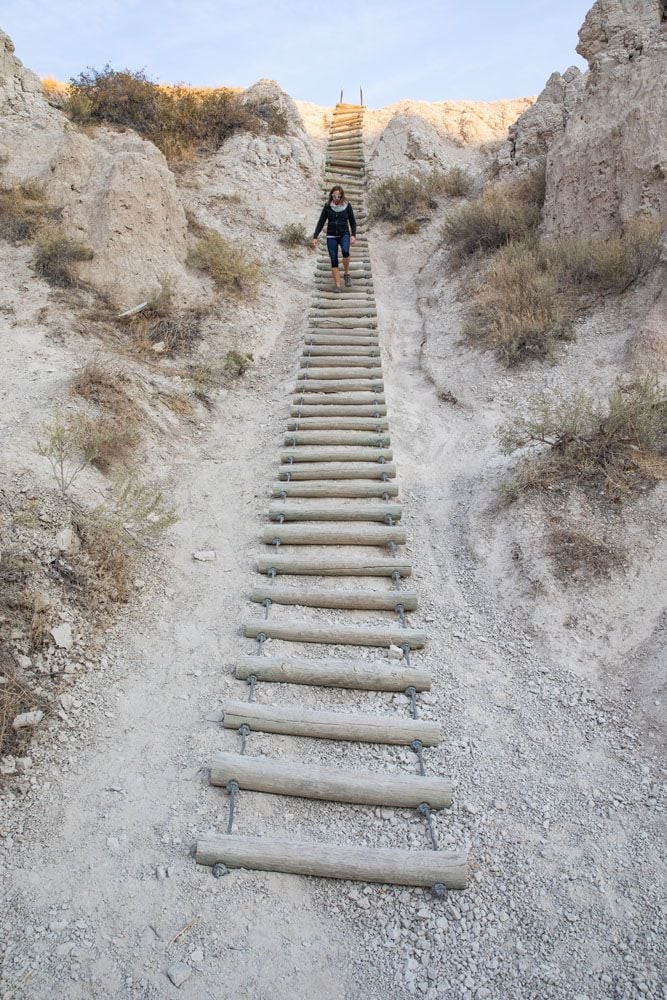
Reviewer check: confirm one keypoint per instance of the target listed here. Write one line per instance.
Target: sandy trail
(555, 792)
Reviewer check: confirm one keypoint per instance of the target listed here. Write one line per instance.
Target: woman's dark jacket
(338, 223)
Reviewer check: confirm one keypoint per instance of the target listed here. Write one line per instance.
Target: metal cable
(405, 646)
(400, 611)
(418, 748)
(396, 577)
(244, 732)
(232, 788)
(392, 549)
(252, 683)
(412, 695)
(266, 604)
(425, 810)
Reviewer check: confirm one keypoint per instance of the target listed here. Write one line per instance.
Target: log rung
(294, 720)
(338, 423)
(333, 784)
(392, 866)
(335, 488)
(347, 410)
(336, 512)
(326, 566)
(336, 453)
(387, 675)
(333, 534)
(359, 600)
(337, 470)
(346, 635)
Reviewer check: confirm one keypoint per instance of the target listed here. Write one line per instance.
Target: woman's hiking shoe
(336, 288)
(348, 280)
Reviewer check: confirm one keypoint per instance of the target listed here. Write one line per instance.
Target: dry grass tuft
(228, 264)
(400, 198)
(527, 300)
(162, 323)
(106, 386)
(577, 555)
(614, 448)
(23, 210)
(517, 310)
(610, 263)
(293, 235)
(55, 255)
(502, 213)
(104, 565)
(237, 364)
(16, 697)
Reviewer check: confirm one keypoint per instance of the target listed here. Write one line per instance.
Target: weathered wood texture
(335, 488)
(335, 511)
(327, 566)
(386, 675)
(317, 597)
(337, 470)
(335, 784)
(336, 453)
(298, 721)
(333, 534)
(344, 635)
(392, 866)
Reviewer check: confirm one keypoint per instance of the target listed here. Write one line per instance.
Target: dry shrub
(532, 291)
(293, 235)
(179, 120)
(16, 697)
(106, 440)
(162, 322)
(516, 309)
(236, 364)
(106, 386)
(615, 447)
(55, 254)
(400, 198)
(228, 264)
(576, 554)
(103, 567)
(23, 210)
(502, 213)
(610, 263)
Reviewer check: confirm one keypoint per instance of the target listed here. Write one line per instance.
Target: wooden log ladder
(336, 488)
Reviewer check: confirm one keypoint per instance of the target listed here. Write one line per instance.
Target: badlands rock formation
(115, 190)
(610, 164)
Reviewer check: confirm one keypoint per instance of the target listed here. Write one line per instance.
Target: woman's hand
(353, 239)
(313, 243)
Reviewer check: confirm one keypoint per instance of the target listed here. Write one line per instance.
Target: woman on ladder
(341, 231)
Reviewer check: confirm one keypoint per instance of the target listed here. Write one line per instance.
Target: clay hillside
(422, 593)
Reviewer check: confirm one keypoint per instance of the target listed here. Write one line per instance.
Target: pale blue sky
(432, 50)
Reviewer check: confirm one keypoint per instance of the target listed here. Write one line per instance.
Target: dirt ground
(546, 696)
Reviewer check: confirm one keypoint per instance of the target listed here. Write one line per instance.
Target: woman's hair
(337, 187)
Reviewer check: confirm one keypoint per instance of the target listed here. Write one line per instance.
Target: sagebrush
(615, 447)
(400, 198)
(228, 264)
(178, 119)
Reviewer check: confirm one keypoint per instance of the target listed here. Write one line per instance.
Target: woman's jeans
(333, 242)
